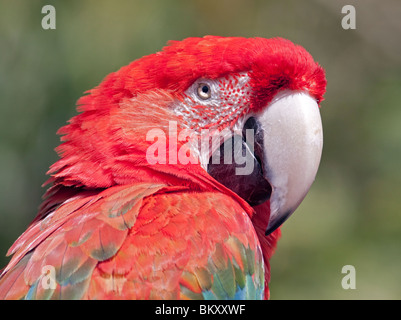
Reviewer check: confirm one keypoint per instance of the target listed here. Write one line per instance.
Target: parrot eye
(204, 91)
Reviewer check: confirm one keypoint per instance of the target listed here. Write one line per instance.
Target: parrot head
(261, 95)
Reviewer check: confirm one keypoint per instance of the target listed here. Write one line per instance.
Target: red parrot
(143, 205)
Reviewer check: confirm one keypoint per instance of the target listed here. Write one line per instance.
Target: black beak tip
(275, 223)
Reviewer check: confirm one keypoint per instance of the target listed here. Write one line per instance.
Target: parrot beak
(281, 148)
(292, 138)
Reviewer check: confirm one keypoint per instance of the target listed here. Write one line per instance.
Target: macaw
(141, 203)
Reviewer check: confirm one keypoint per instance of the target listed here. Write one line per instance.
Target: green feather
(227, 280)
(190, 294)
(239, 277)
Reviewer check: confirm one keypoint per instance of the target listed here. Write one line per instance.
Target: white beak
(293, 142)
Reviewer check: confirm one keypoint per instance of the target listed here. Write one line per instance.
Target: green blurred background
(352, 214)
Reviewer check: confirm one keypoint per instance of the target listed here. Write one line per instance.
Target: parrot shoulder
(141, 241)
(71, 239)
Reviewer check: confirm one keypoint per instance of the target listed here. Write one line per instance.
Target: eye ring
(204, 92)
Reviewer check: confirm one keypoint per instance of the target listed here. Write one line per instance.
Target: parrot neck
(268, 243)
(108, 146)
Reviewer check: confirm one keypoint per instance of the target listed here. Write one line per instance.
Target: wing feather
(141, 241)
